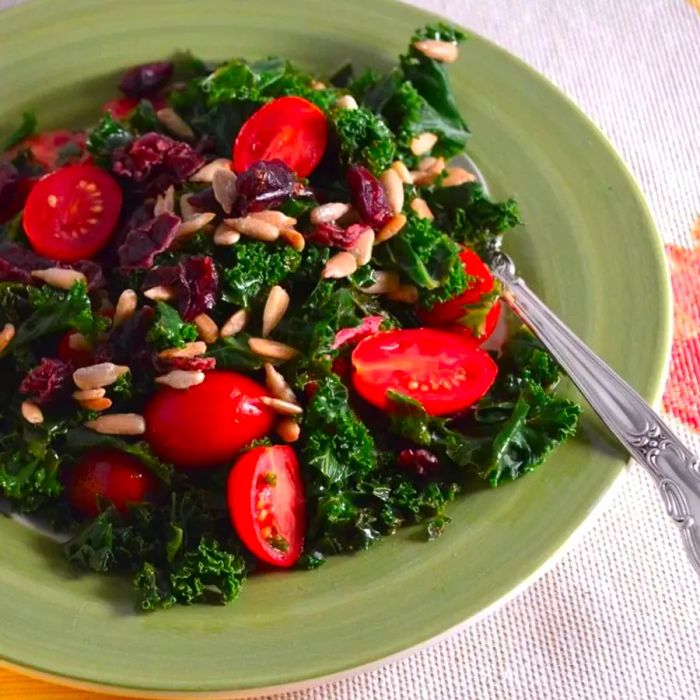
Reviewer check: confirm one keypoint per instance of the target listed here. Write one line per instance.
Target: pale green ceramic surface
(589, 248)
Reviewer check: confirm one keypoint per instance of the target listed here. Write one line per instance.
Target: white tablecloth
(619, 616)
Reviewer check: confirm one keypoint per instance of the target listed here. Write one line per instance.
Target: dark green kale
(234, 353)
(364, 138)
(169, 330)
(144, 119)
(439, 31)
(469, 215)
(428, 258)
(12, 230)
(105, 138)
(26, 128)
(258, 267)
(475, 314)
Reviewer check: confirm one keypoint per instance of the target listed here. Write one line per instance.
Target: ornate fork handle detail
(640, 429)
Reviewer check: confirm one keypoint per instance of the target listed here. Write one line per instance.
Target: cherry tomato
(111, 474)
(79, 357)
(452, 310)
(71, 213)
(289, 128)
(490, 323)
(266, 503)
(445, 372)
(208, 423)
(122, 107)
(47, 146)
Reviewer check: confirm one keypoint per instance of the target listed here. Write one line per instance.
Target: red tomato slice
(209, 423)
(47, 146)
(122, 107)
(78, 357)
(445, 372)
(111, 474)
(266, 504)
(289, 128)
(452, 310)
(71, 213)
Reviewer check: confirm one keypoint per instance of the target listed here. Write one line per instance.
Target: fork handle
(626, 414)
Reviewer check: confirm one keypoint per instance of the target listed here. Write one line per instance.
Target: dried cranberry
(92, 271)
(192, 364)
(127, 342)
(195, 281)
(264, 185)
(204, 200)
(336, 236)
(48, 381)
(142, 244)
(419, 461)
(368, 196)
(147, 79)
(369, 326)
(153, 162)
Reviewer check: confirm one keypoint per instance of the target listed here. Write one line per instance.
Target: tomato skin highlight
(289, 128)
(209, 423)
(445, 372)
(70, 214)
(266, 503)
(111, 474)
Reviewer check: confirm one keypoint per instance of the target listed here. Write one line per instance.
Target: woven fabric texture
(618, 616)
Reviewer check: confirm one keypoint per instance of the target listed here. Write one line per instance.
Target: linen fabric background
(619, 615)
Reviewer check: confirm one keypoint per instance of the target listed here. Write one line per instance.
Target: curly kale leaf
(257, 268)
(335, 441)
(26, 128)
(428, 258)
(169, 330)
(440, 32)
(105, 138)
(234, 353)
(364, 138)
(469, 215)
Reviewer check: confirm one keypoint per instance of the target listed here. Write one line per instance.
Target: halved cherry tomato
(71, 213)
(78, 357)
(266, 503)
(105, 472)
(445, 372)
(454, 309)
(289, 128)
(208, 423)
(123, 107)
(47, 146)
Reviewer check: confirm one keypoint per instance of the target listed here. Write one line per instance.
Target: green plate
(589, 248)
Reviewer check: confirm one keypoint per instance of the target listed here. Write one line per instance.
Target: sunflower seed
(31, 412)
(187, 211)
(384, 282)
(422, 143)
(224, 186)
(58, 277)
(126, 306)
(206, 172)
(457, 176)
(402, 171)
(118, 424)
(390, 229)
(339, 265)
(429, 169)
(362, 250)
(274, 217)
(6, 335)
(271, 349)
(188, 350)
(276, 307)
(318, 85)
(99, 404)
(160, 293)
(346, 102)
(394, 189)
(181, 378)
(225, 235)
(331, 211)
(254, 228)
(77, 341)
(443, 51)
(406, 293)
(89, 394)
(165, 202)
(174, 123)
(421, 208)
(288, 429)
(295, 239)
(199, 221)
(235, 324)
(207, 328)
(99, 375)
(431, 163)
(284, 407)
(277, 385)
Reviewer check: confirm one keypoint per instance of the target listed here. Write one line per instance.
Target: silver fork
(626, 414)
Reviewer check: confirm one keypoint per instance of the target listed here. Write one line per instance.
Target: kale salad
(245, 323)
